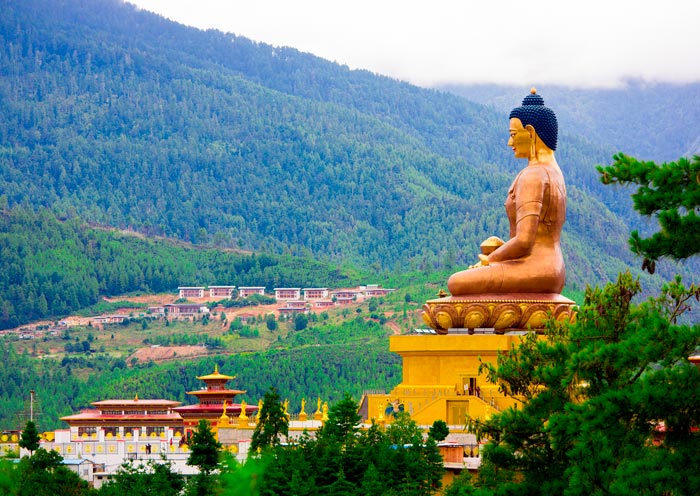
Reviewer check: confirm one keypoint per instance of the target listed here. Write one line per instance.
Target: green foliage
(598, 396)
(345, 460)
(342, 424)
(271, 423)
(351, 357)
(204, 448)
(439, 430)
(671, 192)
(301, 320)
(152, 479)
(42, 474)
(30, 437)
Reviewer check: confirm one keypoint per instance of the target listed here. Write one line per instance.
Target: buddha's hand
(483, 262)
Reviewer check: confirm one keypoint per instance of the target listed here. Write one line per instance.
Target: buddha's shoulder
(540, 172)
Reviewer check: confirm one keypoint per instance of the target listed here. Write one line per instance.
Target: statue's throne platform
(501, 312)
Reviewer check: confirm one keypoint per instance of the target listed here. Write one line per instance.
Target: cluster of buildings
(100, 439)
(294, 300)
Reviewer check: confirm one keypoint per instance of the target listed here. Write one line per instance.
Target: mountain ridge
(118, 116)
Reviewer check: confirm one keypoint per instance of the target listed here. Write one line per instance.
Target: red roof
(95, 416)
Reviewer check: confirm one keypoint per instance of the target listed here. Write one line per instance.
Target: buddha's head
(542, 119)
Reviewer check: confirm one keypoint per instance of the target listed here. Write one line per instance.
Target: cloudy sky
(594, 43)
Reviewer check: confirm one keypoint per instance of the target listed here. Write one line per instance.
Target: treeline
(50, 268)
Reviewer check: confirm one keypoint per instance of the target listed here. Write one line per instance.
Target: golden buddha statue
(531, 260)
(516, 283)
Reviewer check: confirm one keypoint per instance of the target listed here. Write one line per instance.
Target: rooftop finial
(533, 90)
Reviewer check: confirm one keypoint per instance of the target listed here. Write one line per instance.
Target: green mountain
(118, 117)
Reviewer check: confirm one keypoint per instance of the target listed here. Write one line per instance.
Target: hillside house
(221, 291)
(246, 291)
(345, 296)
(109, 319)
(315, 293)
(185, 309)
(246, 317)
(190, 292)
(293, 308)
(375, 290)
(157, 311)
(287, 293)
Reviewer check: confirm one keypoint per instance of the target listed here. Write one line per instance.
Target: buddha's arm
(521, 244)
(529, 194)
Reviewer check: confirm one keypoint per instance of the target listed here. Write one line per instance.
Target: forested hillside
(115, 116)
(52, 268)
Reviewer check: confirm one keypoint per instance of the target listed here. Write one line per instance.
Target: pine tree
(204, 448)
(439, 430)
(609, 403)
(671, 191)
(30, 437)
(272, 422)
(343, 420)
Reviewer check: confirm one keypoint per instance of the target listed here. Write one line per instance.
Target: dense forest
(116, 116)
(52, 268)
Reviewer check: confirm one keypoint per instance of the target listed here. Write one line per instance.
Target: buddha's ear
(530, 129)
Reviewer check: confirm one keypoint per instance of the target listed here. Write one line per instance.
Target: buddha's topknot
(542, 118)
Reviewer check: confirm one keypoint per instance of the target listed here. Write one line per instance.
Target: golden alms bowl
(490, 244)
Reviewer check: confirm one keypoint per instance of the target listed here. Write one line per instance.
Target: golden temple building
(441, 380)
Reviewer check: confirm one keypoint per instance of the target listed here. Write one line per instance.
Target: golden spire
(224, 420)
(318, 415)
(136, 398)
(533, 91)
(302, 414)
(243, 418)
(325, 411)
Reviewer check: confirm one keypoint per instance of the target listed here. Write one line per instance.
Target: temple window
(111, 431)
(156, 430)
(87, 431)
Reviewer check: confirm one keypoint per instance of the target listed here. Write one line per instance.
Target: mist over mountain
(650, 121)
(120, 117)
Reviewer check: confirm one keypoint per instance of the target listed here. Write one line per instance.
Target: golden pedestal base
(502, 312)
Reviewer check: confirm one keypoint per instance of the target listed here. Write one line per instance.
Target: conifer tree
(343, 420)
(671, 191)
(30, 437)
(609, 403)
(204, 448)
(439, 430)
(272, 422)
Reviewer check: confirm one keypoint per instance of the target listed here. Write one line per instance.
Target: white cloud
(594, 43)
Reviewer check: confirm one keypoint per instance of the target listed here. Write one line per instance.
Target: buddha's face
(520, 139)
